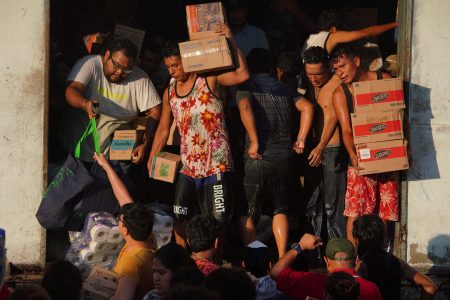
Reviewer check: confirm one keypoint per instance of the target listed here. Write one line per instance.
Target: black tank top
(349, 96)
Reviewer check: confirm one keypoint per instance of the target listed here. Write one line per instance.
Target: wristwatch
(296, 247)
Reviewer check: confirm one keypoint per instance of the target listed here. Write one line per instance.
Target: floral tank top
(200, 119)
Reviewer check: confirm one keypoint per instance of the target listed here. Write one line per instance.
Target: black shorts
(210, 196)
(267, 184)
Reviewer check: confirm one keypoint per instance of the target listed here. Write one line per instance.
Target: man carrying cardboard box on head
(198, 110)
(362, 190)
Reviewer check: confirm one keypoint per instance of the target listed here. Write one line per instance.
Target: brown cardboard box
(101, 284)
(382, 157)
(122, 145)
(165, 166)
(206, 55)
(378, 95)
(377, 126)
(203, 18)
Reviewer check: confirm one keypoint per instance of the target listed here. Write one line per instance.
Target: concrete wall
(428, 199)
(23, 102)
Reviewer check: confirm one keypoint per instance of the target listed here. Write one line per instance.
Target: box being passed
(203, 18)
(378, 95)
(377, 126)
(165, 166)
(101, 284)
(382, 157)
(122, 145)
(206, 55)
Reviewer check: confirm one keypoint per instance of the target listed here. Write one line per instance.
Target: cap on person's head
(338, 245)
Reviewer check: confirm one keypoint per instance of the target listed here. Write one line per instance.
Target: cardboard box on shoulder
(206, 55)
(101, 284)
(382, 157)
(377, 126)
(378, 95)
(122, 145)
(165, 166)
(203, 18)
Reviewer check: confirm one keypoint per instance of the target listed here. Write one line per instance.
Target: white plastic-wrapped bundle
(162, 229)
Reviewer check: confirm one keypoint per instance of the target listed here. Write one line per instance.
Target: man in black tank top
(363, 193)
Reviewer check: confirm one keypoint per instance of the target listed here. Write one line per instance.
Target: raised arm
(119, 189)
(163, 130)
(343, 116)
(340, 37)
(306, 110)
(76, 99)
(248, 119)
(240, 73)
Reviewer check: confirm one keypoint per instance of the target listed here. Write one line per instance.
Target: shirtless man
(363, 191)
(328, 151)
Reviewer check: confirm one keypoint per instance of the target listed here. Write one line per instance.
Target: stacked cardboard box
(378, 126)
(207, 50)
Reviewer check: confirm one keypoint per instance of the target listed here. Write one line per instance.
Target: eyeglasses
(116, 66)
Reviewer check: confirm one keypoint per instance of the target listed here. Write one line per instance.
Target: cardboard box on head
(203, 18)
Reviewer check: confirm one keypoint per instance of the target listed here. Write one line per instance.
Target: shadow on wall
(424, 164)
(439, 253)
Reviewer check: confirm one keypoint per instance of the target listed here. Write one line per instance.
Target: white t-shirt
(317, 39)
(119, 103)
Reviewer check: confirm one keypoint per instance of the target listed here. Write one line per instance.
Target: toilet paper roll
(163, 239)
(162, 228)
(114, 236)
(162, 220)
(99, 233)
(102, 259)
(86, 255)
(114, 247)
(97, 246)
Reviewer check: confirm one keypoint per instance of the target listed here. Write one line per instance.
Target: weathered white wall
(428, 204)
(23, 98)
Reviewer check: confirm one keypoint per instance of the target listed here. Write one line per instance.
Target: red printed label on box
(379, 97)
(377, 128)
(379, 154)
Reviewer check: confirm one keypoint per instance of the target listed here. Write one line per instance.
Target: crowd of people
(251, 137)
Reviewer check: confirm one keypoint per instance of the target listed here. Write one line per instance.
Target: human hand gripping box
(382, 157)
(202, 19)
(377, 126)
(165, 166)
(378, 95)
(123, 144)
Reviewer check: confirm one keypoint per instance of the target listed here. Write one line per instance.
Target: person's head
(166, 261)
(259, 60)
(256, 257)
(187, 275)
(62, 280)
(289, 67)
(341, 286)
(191, 292)
(369, 232)
(237, 14)
(118, 59)
(346, 63)
(29, 292)
(317, 66)
(135, 221)
(172, 60)
(201, 233)
(329, 20)
(339, 253)
(231, 284)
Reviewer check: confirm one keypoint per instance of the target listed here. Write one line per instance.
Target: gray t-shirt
(119, 103)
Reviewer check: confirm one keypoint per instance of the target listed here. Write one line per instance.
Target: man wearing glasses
(111, 88)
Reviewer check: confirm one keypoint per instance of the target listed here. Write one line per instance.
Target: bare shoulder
(326, 92)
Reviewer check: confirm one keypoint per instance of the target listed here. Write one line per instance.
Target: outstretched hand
(310, 242)
(101, 160)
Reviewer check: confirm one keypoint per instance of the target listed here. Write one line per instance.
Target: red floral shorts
(363, 191)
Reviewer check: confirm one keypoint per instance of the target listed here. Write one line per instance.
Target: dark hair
(171, 48)
(29, 292)
(201, 232)
(231, 284)
(369, 230)
(290, 63)
(259, 60)
(342, 286)
(341, 51)
(257, 260)
(62, 280)
(180, 292)
(187, 275)
(328, 19)
(173, 256)
(138, 220)
(316, 55)
(115, 44)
